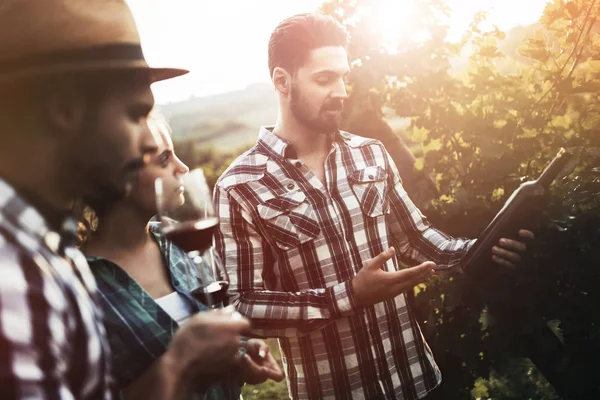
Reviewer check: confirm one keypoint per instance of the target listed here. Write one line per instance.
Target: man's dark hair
(295, 37)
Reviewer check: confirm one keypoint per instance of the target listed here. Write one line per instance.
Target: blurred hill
(225, 121)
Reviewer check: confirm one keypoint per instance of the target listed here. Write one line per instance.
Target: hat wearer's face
(109, 151)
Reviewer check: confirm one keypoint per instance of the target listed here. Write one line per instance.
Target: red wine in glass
(213, 294)
(192, 235)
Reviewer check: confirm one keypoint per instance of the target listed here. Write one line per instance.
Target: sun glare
(395, 18)
(391, 21)
(395, 23)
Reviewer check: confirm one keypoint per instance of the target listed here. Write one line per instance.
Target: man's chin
(327, 128)
(323, 124)
(105, 194)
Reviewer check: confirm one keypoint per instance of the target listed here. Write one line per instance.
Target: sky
(224, 42)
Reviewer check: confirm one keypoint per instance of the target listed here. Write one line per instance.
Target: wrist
(357, 300)
(173, 376)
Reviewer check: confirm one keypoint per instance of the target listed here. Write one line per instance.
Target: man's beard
(319, 123)
(104, 193)
(95, 169)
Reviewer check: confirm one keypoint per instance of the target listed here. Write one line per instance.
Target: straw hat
(46, 37)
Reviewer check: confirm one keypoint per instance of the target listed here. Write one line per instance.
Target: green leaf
(433, 145)
(592, 120)
(417, 134)
(497, 194)
(562, 121)
(554, 326)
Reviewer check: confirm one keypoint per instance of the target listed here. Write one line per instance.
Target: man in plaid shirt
(308, 216)
(74, 97)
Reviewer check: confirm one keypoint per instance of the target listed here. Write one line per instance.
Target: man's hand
(508, 252)
(373, 285)
(258, 364)
(208, 342)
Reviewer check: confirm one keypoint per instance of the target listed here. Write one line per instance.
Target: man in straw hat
(74, 97)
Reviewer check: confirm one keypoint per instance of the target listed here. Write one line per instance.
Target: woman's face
(165, 165)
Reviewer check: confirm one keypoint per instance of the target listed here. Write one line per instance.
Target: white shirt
(176, 306)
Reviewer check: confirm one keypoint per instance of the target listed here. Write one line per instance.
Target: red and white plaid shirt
(292, 246)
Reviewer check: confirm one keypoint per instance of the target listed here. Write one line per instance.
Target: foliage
(484, 130)
(212, 162)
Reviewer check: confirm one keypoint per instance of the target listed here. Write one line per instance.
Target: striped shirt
(292, 246)
(52, 340)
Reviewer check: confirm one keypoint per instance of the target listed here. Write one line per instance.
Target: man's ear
(282, 80)
(65, 108)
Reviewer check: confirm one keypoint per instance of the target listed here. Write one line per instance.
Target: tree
(484, 130)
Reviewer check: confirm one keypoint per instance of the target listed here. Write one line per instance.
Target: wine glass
(188, 220)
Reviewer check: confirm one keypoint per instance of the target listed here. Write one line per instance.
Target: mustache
(333, 105)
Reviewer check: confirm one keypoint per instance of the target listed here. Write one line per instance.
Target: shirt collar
(25, 216)
(17, 211)
(283, 148)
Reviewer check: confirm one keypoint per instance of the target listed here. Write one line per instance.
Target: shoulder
(30, 291)
(249, 166)
(356, 141)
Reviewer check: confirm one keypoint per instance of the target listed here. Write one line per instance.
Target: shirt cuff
(342, 299)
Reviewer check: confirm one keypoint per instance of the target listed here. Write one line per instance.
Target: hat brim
(154, 74)
(162, 74)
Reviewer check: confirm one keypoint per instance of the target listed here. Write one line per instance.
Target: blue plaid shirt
(139, 330)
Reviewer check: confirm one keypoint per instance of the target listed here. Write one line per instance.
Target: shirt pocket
(289, 219)
(370, 189)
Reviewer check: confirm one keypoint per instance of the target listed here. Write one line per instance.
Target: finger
(239, 354)
(231, 312)
(270, 362)
(502, 262)
(272, 366)
(525, 234)
(251, 368)
(418, 272)
(510, 244)
(275, 373)
(507, 255)
(221, 322)
(257, 347)
(263, 350)
(382, 258)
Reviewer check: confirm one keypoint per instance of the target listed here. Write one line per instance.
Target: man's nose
(339, 90)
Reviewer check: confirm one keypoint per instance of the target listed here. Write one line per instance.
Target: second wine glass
(188, 220)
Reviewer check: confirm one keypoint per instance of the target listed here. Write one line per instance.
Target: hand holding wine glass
(188, 220)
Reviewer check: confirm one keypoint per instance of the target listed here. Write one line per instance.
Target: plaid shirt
(139, 330)
(52, 341)
(292, 246)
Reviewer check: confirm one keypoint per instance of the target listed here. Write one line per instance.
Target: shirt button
(371, 177)
(291, 186)
(298, 164)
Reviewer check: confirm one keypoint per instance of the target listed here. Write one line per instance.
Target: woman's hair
(89, 213)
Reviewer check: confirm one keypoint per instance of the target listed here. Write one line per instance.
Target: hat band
(111, 52)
